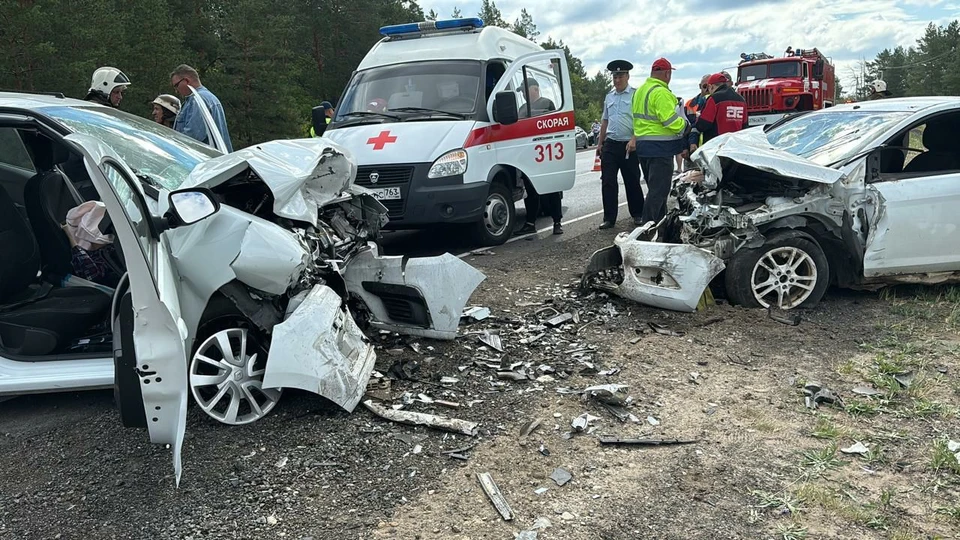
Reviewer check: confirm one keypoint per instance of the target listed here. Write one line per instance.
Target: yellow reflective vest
(657, 124)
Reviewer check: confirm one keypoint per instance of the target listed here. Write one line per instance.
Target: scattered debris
(281, 463)
(459, 451)
(271, 520)
(404, 370)
(541, 491)
(492, 340)
(528, 428)
(407, 417)
(694, 377)
(646, 442)
(478, 252)
(544, 450)
(526, 535)
(495, 496)
(559, 319)
(606, 393)
(653, 421)
(451, 404)
(815, 394)
(905, 378)
(866, 391)
(790, 317)
(476, 313)
(449, 380)
(664, 331)
(561, 476)
(582, 422)
(857, 448)
(512, 376)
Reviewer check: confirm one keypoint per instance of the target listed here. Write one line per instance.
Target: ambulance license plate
(386, 194)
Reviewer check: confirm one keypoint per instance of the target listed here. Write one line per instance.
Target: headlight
(449, 164)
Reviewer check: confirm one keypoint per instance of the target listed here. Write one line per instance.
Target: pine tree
(490, 15)
(525, 27)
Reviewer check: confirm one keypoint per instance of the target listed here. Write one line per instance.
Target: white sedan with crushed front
(859, 195)
(237, 270)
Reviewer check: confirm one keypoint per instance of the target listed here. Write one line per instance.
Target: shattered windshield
(828, 137)
(410, 91)
(162, 155)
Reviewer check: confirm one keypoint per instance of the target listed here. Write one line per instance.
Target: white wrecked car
(859, 195)
(237, 270)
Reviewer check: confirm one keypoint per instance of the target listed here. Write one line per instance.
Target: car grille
(758, 98)
(388, 177)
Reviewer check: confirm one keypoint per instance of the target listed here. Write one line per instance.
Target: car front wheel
(498, 219)
(789, 271)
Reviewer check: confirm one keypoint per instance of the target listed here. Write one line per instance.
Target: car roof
(908, 104)
(485, 44)
(20, 100)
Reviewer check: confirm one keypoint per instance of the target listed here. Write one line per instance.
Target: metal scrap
(646, 442)
(476, 313)
(561, 476)
(784, 316)
(559, 319)
(430, 420)
(663, 330)
(606, 394)
(492, 340)
(816, 394)
(582, 422)
(495, 496)
(528, 428)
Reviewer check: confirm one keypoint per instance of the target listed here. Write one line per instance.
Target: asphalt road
(582, 212)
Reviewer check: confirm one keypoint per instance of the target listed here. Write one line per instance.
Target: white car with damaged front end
(856, 195)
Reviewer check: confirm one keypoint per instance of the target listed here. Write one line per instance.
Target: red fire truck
(774, 87)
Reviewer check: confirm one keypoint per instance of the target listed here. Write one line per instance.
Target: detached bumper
(667, 276)
(422, 296)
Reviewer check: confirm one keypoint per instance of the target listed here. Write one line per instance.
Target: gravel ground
(762, 466)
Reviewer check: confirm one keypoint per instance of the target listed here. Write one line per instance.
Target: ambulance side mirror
(505, 108)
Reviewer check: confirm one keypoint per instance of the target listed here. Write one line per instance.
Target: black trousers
(550, 202)
(658, 172)
(614, 159)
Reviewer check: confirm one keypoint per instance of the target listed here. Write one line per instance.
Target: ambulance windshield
(418, 90)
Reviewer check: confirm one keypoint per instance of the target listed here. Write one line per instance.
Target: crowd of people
(108, 85)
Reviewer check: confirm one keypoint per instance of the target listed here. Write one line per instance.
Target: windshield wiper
(431, 111)
(369, 113)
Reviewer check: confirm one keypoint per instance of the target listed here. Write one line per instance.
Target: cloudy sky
(704, 36)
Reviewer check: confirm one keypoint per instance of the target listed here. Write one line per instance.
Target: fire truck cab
(775, 87)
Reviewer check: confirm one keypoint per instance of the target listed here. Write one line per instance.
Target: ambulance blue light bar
(426, 27)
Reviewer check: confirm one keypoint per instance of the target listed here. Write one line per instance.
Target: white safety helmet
(106, 79)
(878, 86)
(168, 102)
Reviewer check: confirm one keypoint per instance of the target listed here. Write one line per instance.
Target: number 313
(549, 152)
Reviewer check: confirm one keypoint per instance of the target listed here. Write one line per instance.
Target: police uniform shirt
(618, 112)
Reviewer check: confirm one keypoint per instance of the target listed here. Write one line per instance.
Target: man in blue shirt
(616, 129)
(190, 120)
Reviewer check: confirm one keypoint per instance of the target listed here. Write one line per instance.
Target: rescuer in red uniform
(725, 111)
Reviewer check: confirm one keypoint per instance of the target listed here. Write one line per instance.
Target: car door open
(159, 333)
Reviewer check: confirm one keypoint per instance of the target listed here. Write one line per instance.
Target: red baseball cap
(717, 78)
(662, 64)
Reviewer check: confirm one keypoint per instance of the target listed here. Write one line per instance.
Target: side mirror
(505, 108)
(188, 206)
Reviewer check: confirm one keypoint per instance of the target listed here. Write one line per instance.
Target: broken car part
(495, 496)
(414, 418)
(645, 442)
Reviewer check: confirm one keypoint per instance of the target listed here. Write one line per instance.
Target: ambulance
(451, 122)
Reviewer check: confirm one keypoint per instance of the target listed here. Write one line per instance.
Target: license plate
(386, 194)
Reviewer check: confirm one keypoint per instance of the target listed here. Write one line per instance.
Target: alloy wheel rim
(226, 378)
(784, 277)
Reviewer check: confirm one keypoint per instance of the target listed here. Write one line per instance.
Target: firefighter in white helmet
(878, 90)
(107, 86)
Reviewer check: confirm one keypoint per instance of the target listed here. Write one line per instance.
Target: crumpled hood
(401, 142)
(750, 147)
(302, 174)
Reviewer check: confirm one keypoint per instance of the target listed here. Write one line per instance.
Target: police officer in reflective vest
(321, 115)
(658, 135)
(616, 129)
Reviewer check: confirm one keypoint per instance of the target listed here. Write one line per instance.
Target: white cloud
(703, 36)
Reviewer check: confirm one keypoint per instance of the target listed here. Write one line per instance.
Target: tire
(499, 217)
(225, 325)
(749, 281)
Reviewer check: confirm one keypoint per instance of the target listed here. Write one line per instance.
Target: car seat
(38, 319)
(47, 201)
(943, 147)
